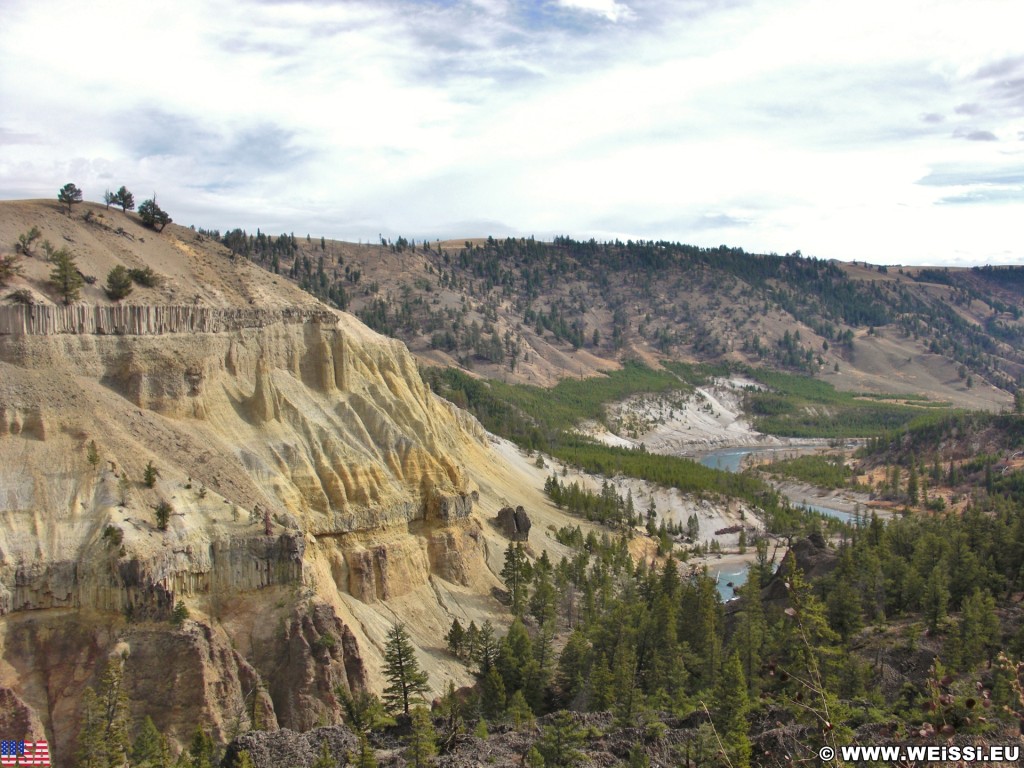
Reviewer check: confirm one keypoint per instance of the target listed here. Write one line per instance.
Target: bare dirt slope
(194, 269)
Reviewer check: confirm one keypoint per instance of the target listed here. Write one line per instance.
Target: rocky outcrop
(134, 320)
(289, 748)
(17, 720)
(180, 677)
(316, 656)
(323, 431)
(514, 523)
(146, 585)
(812, 556)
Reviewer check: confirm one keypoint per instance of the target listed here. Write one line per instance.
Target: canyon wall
(306, 471)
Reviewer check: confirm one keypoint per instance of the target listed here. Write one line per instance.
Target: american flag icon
(21, 753)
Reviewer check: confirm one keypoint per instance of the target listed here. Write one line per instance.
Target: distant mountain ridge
(529, 311)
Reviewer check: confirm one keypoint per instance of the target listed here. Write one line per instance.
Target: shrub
(179, 614)
(153, 215)
(21, 296)
(25, 241)
(119, 283)
(163, 514)
(9, 267)
(145, 277)
(113, 535)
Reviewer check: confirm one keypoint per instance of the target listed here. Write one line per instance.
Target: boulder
(514, 523)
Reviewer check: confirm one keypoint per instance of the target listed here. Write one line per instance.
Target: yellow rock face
(321, 434)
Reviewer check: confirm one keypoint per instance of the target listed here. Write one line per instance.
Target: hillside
(533, 312)
(219, 496)
(315, 492)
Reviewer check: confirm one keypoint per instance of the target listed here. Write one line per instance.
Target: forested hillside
(525, 310)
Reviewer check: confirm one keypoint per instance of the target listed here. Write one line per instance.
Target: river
(731, 460)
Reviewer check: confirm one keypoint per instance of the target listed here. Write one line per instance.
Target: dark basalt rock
(514, 523)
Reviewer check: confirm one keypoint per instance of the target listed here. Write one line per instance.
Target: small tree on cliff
(68, 195)
(402, 671)
(153, 215)
(103, 739)
(125, 199)
(65, 277)
(119, 283)
(10, 265)
(517, 574)
(150, 474)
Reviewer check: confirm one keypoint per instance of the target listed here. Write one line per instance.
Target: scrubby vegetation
(495, 303)
(823, 471)
(799, 406)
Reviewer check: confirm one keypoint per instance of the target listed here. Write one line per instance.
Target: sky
(883, 131)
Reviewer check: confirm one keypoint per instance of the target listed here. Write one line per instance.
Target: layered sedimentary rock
(284, 450)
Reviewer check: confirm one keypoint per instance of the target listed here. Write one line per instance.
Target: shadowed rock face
(812, 555)
(514, 523)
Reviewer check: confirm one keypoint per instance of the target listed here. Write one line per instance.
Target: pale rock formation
(325, 429)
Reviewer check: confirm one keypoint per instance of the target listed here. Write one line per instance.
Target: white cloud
(609, 9)
(767, 124)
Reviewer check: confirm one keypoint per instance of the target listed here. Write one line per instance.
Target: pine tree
(936, 598)
(519, 712)
(912, 483)
(363, 710)
(65, 277)
(453, 723)
(125, 199)
(472, 641)
(602, 685)
(628, 697)
(402, 671)
(92, 454)
(68, 195)
(325, 759)
(366, 758)
(456, 638)
(150, 747)
(573, 665)
(748, 640)
(731, 706)
(492, 693)
(153, 215)
(515, 653)
(103, 740)
(561, 740)
(517, 573)
(201, 750)
(542, 601)
(486, 647)
(421, 744)
(10, 265)
(163, 515)
(150, 474)
(978, 630)
(119, 283)
(534, 759)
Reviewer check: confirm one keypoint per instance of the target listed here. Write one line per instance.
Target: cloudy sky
(890, 131)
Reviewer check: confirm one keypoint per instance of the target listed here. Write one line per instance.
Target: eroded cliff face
(308, 471)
